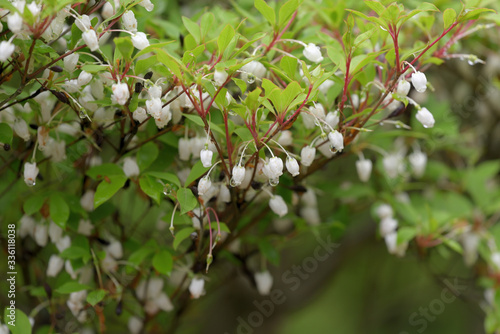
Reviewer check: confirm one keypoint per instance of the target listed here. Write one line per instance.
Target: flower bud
(204, 185)
(206, 157)
(313, 53)
(84, 78)
(292, 166)
(6, 50)
(140, 114)
(121, 93)
(264, 282)
(403, 87)
(83, 22)
(30, 173)
(130, 167)
(278, 205)
(140, 40)
(220, 76)
(107, 11)
(418, 161)
(196, 287)
(307, 155)
(40, 235)
(90, 38)
(364, 169)
(336, 140)
(425, 117)
(70, 62)
(55, 265)
(419, 81)
(129, 21)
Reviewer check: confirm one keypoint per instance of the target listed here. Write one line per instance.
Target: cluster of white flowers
(151, 293)
(388, 230)
(309, 208)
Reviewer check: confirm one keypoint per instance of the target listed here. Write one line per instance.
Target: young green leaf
(6, 134)
(59, 210)
(163, 262)
(186, 199)
(449, 17)
(286, 12)
(107, 188)
(266, 11)
(96, 296)
(225, 38)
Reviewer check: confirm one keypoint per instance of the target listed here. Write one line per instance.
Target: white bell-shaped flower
(55, 265)
(418, 161)
(419, 81)
(83, 22)
(70, 62)
(140, 40)
(220, 76)
(292, 166)
(393, 164)
(387, 225)
(204, 185)
(87, 201)
(90, 38)
(285, 138)
(425, 117)
(313, 53)
(206, 157)
(264, 282)
(332, 119)
(238, 175)
(164, 117)
(6, 50)
(196, 287)
(115, 249)
(403, 87)
(252, 70)
(364, 169)
(21, 129)
(224, 194)
(384, 211)
(129, 21)
(15, 22)
(85, 227)
(135, 325)
(130, 167)
(41, 235)
(147, 4)
(278, 205)
(121, 93)
(307, 155)
(154, 107)
(30, 173)
(336, 140)
(84, 78)
(55, 232)
(185, 148)
(274, 168)
(140, 114)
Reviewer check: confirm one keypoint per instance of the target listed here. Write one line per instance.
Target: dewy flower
(70, 62)
(264, 282)
(130, 167)
(238, 175)
(278, 205)
(313, 53)
(129, 21)
(55, 265)
(30, 173)
(21, 129)
(206, 157)
(140, 114)
(274, 168)
(120, 93)
(196, 288)
(220, 77)
(336, 140)
(6, 50)
(418, 161)
(84, 78)
(253, 68)
(307, 155)
(425, 117)
(204, 185)
(364, 169)
(140, 40)
(403, 87)
(90, 38)
(419, 81)
(292, 166)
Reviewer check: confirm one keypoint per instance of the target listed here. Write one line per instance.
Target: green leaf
(143, 65)
(449, 17)
(125, 46)
(107, 188)
(18, 323)
(286, 12)
(289, 65)
(6, 133)
(182, 235)
(59, 210)
(163, 262)
(33, 204)
(197, 171)
(225, 38)
(108, 169)
(269, 251)
(70, 287)
(186, 199)
(475, 14)
(193, 28)
(427, 7)
(169, 62)
(266, 11)
(142, 253)
(198, 121)
(376, 6)
(146, 155)
(96, 296)
(172, 178)
(75, 252)
(94, 68)
(243, 133)
(151, 187)
(206, 23)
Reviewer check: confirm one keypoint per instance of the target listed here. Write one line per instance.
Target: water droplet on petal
(83, 114)
(274, 182)
(250, 79)
(167, 189)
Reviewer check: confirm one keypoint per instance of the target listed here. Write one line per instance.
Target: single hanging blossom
(84, 78)
(251, 70)
(419, 81)
(107, 11)
(140, 114)
(285, 138)
(130, 167)
(115, 249)
(204, 185)
(21, 129)
(87, 201)
(6, 50)
(292, 166)
(384, 211)
(121, 93)
(313, 53)
(336, 140)
(206, 157)
(129, 21)
(154, 107)
(55, 232)
(418, 161)
(220, 76)
(278, 205)
(85, 227)
(224, 193)
(15, 22)
(393, 165)
(90, 38)
(264, 282)
(140, 40)
(147, 4)
(425, 117)
(135, 325)
(55, 265)
(30, 173)
(41, 235)
(238, 175)
(311, 215)
(165, 116)
(403, 87)
(196, 287)
(332, 119)
(70, 62)
(388, 225)
(307, 155)
(185, 148)
(83, 22)
(364, 169)
(155, 91)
